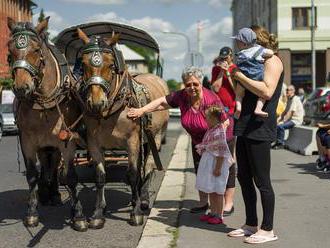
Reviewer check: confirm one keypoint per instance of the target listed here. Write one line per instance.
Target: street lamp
(313, 45)
(188, 43)
(181, 34)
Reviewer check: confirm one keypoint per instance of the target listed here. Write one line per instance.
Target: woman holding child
(193, 102)
(255, 131)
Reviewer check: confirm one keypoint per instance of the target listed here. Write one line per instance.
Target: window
(301, 18)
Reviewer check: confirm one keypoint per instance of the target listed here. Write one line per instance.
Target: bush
(6, 83)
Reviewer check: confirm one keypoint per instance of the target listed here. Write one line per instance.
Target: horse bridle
(21, 35)
(96, 60)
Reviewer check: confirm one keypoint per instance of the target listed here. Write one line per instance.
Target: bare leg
(230, 192)
(258, 110)
(240, 92)
(321, 149)
(229, 199)
(203, 198)
(216, 201)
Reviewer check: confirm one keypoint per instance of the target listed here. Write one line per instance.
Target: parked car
(8, 120)
(175, 112)
(317, 106)
(1, 124)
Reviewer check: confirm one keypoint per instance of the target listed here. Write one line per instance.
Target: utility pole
(313, 45)
(199, 43)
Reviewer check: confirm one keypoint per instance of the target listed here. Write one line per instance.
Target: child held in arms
(250, 60)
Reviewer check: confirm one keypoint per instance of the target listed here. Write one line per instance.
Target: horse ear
(11, 23)
(113, 40)
(43, 25)
(82, 36)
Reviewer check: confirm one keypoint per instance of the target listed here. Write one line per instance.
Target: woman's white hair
(192, 71)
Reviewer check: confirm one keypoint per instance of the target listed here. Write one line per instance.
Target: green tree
(6, 83)
(41, 18)
(173, 85)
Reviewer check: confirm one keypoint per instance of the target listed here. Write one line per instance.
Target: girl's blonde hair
(264, 38)
(214, 112)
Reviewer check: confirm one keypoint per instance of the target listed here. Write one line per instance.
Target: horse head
(100, 70)
(25, 55)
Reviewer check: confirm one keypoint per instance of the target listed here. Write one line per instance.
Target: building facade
(290, 20)
(136, 63)
(19, 10)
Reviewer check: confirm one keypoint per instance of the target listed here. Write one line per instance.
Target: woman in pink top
(193, 100)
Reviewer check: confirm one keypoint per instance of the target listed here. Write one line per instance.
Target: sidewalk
(301, 212)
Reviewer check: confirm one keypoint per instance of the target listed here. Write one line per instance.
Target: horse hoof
(136, 220)
(31, 221)
(79, 225)
(96, 223)
(144, 205)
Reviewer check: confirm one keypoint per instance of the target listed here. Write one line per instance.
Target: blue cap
(246, 35)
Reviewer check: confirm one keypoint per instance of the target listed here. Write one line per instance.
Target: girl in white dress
(214, 165)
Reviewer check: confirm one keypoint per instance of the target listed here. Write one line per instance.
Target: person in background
(223, 86)
(281, 103)
(323, 146)
(206, 83)
(301, 95)
(293, 115)
(193, 100)
(214, 165)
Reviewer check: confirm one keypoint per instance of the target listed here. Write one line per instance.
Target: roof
(129, 54)
(69, 43)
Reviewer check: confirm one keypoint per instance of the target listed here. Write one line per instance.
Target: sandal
(240, 232)
(258, 239)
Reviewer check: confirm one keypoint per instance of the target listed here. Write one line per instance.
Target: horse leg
(97, 220)
(144, 196)
(78, 220)
(43, 190)
(49, 158)
(54, 194)
(32, 218)
(29, 152)
(134, 179)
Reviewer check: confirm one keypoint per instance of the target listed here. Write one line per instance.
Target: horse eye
(9, 58)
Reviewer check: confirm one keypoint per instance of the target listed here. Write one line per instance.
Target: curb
(161, 227)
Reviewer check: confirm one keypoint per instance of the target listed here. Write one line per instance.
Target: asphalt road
(54, 229)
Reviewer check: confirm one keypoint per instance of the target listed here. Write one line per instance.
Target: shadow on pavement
(309, 168)
(13, 206)
(166, 216)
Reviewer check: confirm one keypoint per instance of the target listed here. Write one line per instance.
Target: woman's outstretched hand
(135, 113)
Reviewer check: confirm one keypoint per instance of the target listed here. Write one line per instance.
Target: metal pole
(313, 45)
(188, 43)
(199, 45)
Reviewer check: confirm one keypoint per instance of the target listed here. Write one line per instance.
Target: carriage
(71, 46)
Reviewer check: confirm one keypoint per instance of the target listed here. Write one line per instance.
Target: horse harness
(63, 89)
(127, 92)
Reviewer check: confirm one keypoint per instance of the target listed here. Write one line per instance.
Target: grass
(175, 235)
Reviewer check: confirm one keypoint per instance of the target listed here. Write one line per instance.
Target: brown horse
(107, 91)
(45, 111)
